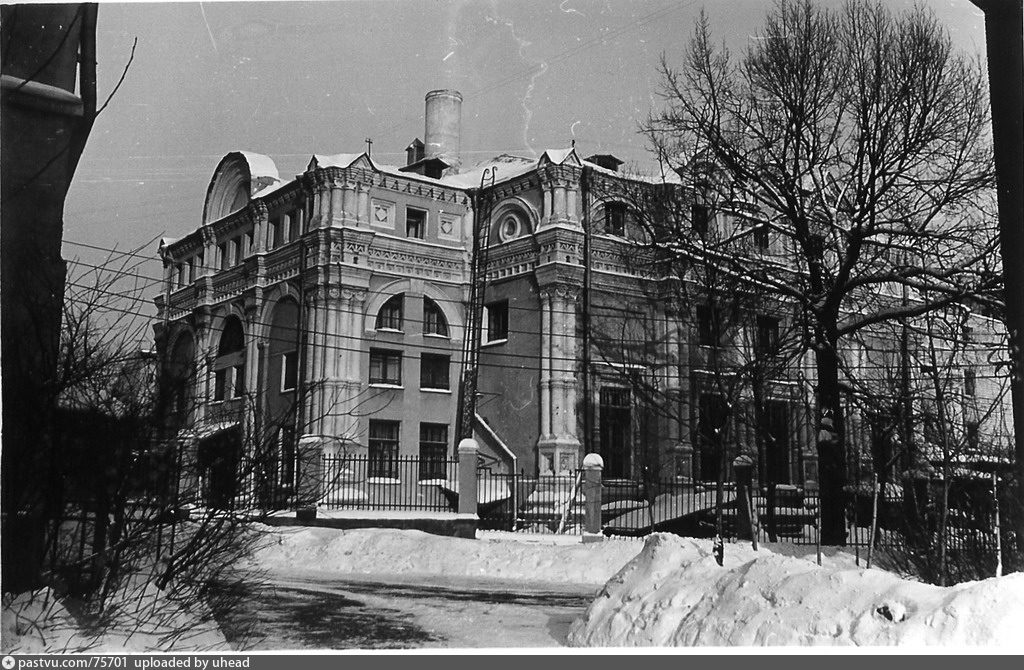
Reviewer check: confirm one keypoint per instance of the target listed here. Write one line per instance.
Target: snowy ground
(330, 588)
(145, 621)
(675, 594)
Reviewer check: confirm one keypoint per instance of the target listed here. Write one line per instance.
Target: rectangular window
(415, 223)
(383, 449)
(707, 325)
(179, 276)
(274, 232)
(289, 371)
(191, 270)
(496, 315)
(969, 383)
(295, 225)
(972, 439)
(761, 238)
(220, 384)
(968, 334)
(238, 382)
(767, 337)
(225, 260)
(700, 216)
(247, 244)
(236, 251)
(433, 450)
(930, 427)
(385, 367)
(434, 371)
(615, 218)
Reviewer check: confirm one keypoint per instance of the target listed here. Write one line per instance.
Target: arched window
(390, 315)
(434, 322)
(179, 380)
(229, 368)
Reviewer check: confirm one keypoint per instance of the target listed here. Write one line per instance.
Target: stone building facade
(328, 313)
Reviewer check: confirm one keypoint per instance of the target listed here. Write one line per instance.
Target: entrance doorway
(616, 424)
(777, 442)
(219, 459)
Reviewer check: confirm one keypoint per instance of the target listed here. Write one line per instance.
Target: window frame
(238, 381)
(421, 228)
(433, 452)
(383, 359)
(395, 301)
(615, 216)
(383, 449)
(221, 384)
(491, 316)
(431, 373)
(700, 219)
(287, 356)
(773, 326)
(438, 325)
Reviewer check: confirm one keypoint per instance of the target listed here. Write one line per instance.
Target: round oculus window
(510, 229)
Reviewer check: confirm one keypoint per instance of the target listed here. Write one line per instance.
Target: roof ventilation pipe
(443, 125)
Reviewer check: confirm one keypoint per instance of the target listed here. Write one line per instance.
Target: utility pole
(1004, 25)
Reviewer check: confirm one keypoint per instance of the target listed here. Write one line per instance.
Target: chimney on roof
(607, 161)
(414, 152)
(443, 125)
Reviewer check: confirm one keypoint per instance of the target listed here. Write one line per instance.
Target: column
(350, 203)
(363, 213)
(545, 366)
(336, 204)
(560, 213)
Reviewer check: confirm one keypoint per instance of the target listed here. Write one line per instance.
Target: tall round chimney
(443, 124)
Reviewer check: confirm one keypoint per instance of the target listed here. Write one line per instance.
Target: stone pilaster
(559, 445)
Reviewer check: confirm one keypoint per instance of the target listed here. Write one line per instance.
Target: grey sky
(292, 78)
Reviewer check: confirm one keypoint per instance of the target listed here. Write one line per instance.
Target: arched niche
(512, 219)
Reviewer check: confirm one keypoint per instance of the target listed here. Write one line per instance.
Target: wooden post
(874, 516)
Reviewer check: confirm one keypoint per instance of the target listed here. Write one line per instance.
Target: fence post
(593, 464)
(467, 476)
(309, 478)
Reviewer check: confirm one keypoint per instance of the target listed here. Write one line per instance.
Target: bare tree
(855, 133)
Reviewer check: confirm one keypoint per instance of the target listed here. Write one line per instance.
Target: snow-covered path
(319, 611)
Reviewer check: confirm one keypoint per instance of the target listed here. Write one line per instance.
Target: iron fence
(362, 482)
(788, 513)
(515, 501)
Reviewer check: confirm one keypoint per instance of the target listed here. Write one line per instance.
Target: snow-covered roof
(335, 160)
(239, 176)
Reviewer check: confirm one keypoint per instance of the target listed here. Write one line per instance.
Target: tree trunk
(831, 452)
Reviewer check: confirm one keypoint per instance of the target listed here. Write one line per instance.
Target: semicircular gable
(239, 176)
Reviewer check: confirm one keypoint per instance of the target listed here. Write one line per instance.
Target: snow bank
(409, 552)
(146, 621)
(674, 594)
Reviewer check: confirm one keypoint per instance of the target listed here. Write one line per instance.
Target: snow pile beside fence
(675, 594)
(411, 552)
